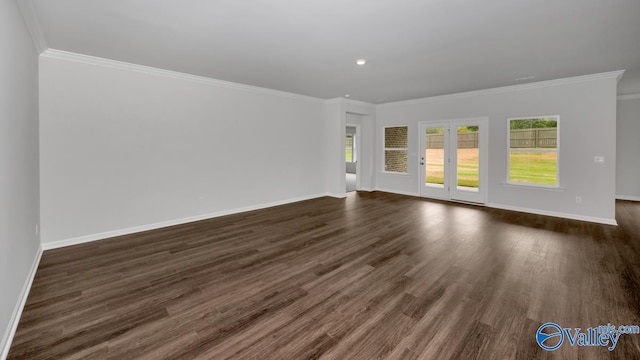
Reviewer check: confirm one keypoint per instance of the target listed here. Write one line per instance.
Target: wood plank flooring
(373, 276)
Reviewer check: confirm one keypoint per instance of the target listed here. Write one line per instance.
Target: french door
(453, 160)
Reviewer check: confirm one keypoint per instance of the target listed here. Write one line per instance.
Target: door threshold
(454, 201)
(467, 202)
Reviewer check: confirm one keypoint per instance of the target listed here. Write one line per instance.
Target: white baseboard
(527, 210)
(344, 195)
(630, 198)
(399, 192)
(365, 189)
(136, 229)
(10, 332)
(555, 214)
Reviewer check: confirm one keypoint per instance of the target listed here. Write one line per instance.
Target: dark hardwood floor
(372, 276)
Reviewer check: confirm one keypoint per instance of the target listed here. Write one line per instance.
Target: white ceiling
(415, 48)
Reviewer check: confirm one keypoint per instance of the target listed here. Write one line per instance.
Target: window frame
(385, 149)
(557, 151)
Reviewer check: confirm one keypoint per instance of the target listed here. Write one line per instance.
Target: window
(395, 149)
(350, 148)
(533, 151)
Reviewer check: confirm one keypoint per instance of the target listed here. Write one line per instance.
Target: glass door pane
(434, 160)
(467, 158)
(434, 156)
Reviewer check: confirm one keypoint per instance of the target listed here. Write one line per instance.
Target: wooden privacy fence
(465, 140)
(534, 138)
(519, 138)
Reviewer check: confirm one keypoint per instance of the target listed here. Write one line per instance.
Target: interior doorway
(453, 160)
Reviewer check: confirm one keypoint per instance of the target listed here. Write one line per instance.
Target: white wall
(628, 148)
(19, 242)
(587, 109)
(125, 147)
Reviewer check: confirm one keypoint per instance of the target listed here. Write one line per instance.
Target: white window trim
(557, 151)
(384, 149)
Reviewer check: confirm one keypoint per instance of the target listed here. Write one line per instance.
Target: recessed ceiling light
(347, 96)
(526, 78)
(361, 62)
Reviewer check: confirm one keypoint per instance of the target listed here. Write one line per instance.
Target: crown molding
(121, 65)
(504, 89)
(358, 103)
(38, 39)
(32, 23)
(334, 100)
(340, 100)
(629, 97)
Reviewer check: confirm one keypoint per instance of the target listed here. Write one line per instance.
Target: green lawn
(533, 167)
(467, 167)
(468, 177)
(526, 167)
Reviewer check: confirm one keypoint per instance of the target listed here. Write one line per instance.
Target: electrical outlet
(578, 199)
(598, 159)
